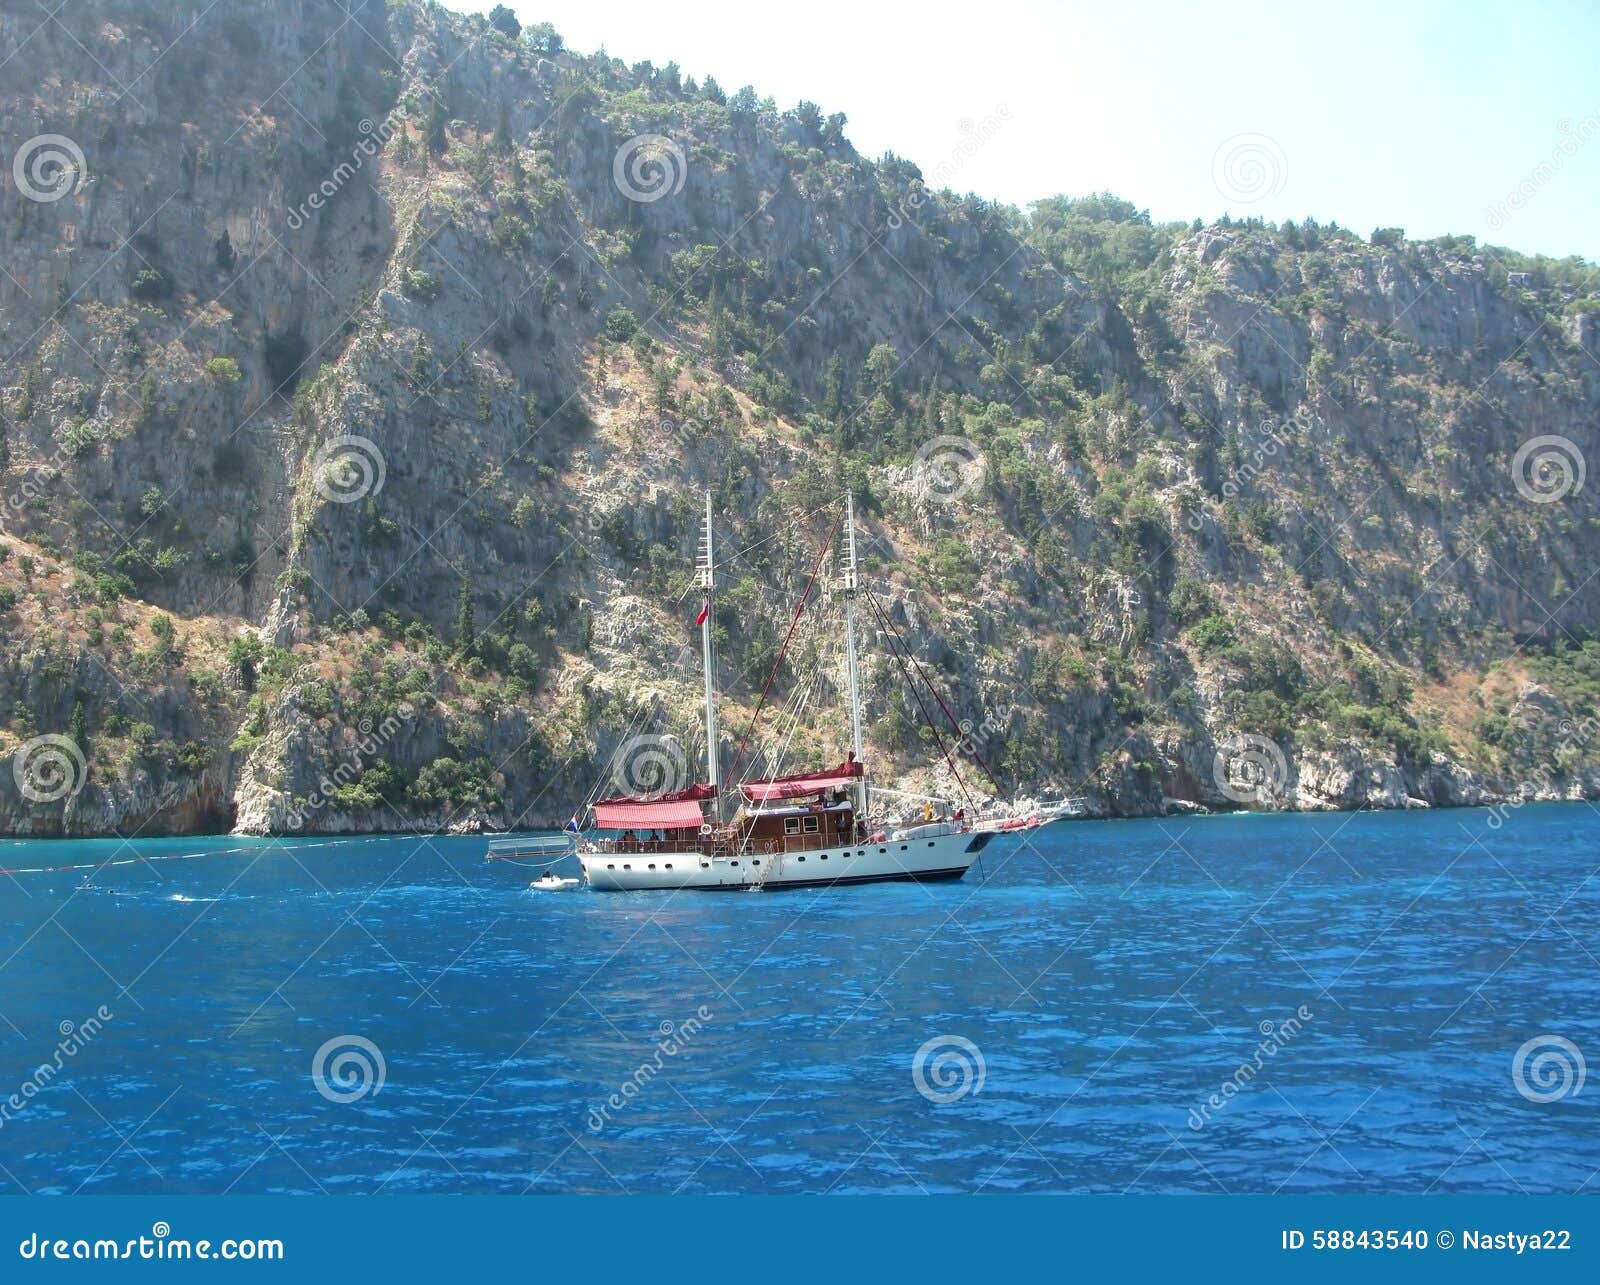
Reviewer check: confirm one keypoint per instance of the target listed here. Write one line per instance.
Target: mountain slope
(361, 383)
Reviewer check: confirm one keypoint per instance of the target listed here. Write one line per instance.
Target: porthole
(824, 856)
(669, 865)
(733, 863)
(883, 849)
(626, 866)
(930, 843)
(755, 861)
(652, 865)
(802, 858)
(904, 846)
(610, 866)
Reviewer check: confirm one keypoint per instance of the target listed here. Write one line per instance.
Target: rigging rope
(733, 772)
(934, 692)
(921, 704)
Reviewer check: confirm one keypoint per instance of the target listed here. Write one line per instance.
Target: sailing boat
(809, 829)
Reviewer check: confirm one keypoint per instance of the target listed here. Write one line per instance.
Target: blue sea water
(1057, 1021)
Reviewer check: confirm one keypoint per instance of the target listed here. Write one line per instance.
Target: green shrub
(621, 325)
(1211, 635)
(420, 285)
(149, 283)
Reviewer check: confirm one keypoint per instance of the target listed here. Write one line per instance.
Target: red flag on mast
(704, 612)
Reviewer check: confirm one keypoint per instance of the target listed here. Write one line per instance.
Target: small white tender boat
(550, 881)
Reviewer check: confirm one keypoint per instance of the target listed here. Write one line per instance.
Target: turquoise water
(1106, 977)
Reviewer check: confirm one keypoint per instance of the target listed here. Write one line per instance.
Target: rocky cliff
(365, 363)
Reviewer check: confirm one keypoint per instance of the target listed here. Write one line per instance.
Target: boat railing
(646, 845)
(533, 846)
(777, 844)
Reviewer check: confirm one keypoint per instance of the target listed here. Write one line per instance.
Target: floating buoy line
(189, 856)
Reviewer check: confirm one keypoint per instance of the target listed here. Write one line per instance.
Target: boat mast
(705, 575)
(849, 578)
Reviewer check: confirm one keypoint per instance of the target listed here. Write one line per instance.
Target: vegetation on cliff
(361, 382)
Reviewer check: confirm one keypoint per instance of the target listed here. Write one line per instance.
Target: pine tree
(833, 388)
(465, 633)
(77, 730)
(433, 130)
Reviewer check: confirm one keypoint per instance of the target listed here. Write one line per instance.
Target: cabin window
(626, 866)
(883, 849)
(755, 861)
(811, 825)
(791, 825)
(611, 865)
(705, 865)
(802, 857)
(733, 863)
(904, 846)
(652, 865)
(930, 843)
(824, 856)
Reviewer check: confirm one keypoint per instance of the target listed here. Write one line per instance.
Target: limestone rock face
(368, 368)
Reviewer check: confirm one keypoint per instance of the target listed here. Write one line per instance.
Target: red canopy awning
(802, 783)
(638, 814)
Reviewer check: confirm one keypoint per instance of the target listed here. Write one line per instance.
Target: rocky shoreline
(1346, 780)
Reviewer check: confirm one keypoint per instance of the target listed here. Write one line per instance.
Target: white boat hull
(904, 859)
